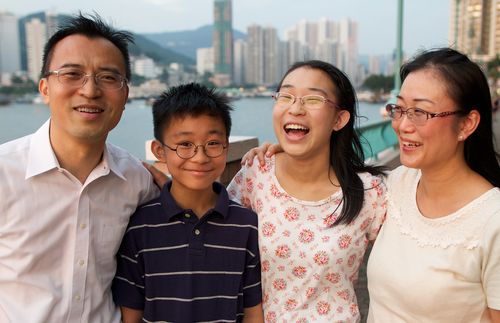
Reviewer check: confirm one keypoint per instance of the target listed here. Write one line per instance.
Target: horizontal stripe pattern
(178, 268)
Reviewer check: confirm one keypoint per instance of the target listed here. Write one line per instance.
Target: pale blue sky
(426, 21)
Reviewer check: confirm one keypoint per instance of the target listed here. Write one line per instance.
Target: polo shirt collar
(41, 157)
(172, 209)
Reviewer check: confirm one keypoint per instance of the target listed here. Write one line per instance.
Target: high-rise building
(240, 48)
(204, 60)
(10, 59)
(475, 28)
(36, 37)
(254, 67)
(348, 51)
(145, 66)
(223, 42)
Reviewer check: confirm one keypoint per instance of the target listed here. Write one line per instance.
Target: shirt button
(81, 262)
(197, 232)
(77, 297)
(187, 215)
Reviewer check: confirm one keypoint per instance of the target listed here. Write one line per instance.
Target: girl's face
(438, 141)
(303, 128)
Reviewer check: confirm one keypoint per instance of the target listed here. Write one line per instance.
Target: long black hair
(346, 154)
(467, 86)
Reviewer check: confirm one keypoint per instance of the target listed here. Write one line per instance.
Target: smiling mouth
(411, 144)
(295, 128)
(89, 109)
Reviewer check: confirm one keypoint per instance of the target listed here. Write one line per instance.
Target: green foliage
(19, 87)
(379, 83)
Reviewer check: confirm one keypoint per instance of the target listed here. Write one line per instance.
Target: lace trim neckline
(460, 228)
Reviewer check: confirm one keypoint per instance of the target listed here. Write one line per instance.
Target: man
(66, 194)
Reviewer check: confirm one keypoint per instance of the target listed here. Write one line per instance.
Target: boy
(192, 254)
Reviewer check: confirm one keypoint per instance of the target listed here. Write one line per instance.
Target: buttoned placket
(81, 251)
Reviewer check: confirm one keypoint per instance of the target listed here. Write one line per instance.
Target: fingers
(159, 177)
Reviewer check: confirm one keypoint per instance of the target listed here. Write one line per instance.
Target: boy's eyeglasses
(418, 116)
(73, 77)
(187, 150)
(312, 101)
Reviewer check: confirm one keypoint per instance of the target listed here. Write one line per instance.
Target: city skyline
(423, 28)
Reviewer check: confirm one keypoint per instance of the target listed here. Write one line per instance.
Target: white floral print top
(308, 266)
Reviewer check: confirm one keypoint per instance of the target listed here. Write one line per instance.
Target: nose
(200, 154)
(297, 107)
(89, 87)
(404, 123)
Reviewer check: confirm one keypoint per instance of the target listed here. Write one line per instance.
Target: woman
(437, 256)
(318, 203)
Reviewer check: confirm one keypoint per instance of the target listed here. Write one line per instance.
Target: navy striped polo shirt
(178, 268)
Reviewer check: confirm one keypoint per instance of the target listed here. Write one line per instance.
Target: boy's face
(200, 171)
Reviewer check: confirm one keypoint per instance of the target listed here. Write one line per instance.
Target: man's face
(85, 113)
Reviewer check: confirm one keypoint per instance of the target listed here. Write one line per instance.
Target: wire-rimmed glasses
(187, 150)
(74, 77)
(312, 101)
(416, 115)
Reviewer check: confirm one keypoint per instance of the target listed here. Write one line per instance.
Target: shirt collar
(42, 158)
(171, 208)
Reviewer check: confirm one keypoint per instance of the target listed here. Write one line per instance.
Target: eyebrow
(417, 100)
(100, 69)
(314, 89)
(187, 133)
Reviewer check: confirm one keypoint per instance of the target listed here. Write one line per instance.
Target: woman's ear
(158, 150)
(468, 125)
(342, 119)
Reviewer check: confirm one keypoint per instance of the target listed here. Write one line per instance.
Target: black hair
(467, 86)
(91, 26)
(190, 99)
(346, 154)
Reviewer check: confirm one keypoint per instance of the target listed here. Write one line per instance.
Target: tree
(379, 83)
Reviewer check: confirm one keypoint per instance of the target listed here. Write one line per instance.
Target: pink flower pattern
(308, 265)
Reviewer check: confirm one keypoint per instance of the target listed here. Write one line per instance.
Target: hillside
(158, 53)
(186, 42)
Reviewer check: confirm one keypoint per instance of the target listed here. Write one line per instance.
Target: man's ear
(342, 119)
(158, 150)
(43, 88)
(469, 124)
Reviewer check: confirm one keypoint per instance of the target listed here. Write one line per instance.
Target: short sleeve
(377, 197)
(128, 284)
(491, 262)
(237, 188)
(252, 288)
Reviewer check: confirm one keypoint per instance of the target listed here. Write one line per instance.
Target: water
(251, 117)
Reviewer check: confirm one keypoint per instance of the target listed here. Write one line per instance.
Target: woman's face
(303, 130)
(437, 142)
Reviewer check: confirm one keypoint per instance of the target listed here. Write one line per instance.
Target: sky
(425, 21)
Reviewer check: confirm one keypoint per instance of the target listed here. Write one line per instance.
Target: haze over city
(425, 21)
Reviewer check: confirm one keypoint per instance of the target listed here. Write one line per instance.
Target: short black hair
(91, 26)
(190, 99)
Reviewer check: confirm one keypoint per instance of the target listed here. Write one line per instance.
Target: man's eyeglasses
(73, 77)
(312, 101)
(187, 150)
(418, 116)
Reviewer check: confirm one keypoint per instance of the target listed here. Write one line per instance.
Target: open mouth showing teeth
(89, 110)
(295, 128)
(412, 145)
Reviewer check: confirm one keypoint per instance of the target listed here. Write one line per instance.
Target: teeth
(414, 144)
(295, 127)
(89, 110)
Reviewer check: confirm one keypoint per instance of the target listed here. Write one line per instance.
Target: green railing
(377, 137)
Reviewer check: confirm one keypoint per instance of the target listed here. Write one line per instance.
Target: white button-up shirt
(59, 237)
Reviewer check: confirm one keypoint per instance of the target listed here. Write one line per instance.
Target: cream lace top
(435, 270)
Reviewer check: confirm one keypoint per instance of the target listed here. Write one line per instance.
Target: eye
(313, 99)
(109, 77)
(185, 145)
(284, 97)
(419, 113)
(213, 143)
(71, 74)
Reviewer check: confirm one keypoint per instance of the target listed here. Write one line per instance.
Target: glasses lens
(185, 150)
(419, 117)
(70, 76)
(393, 111)
(109, 80)
(284, 98)
(313, 101)
(214, 148)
